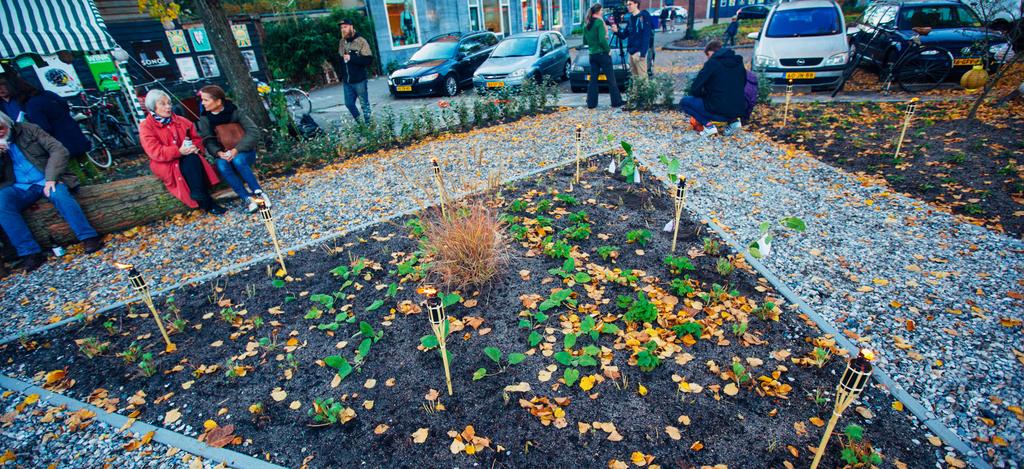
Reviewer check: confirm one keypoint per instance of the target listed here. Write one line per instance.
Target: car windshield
(803, 22)
(938, 17)
(516, 47)
(442, 49)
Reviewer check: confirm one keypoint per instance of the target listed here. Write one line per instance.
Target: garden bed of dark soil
(682, 413)
(973, 168)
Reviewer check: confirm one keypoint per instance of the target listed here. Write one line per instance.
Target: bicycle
(100, 118)
(918, 68)
(297, 100)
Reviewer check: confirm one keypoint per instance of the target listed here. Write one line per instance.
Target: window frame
(415, 18)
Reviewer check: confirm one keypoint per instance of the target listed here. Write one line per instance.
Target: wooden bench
(110, 208)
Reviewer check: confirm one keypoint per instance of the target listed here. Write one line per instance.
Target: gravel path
(871, 261)
(40, 435)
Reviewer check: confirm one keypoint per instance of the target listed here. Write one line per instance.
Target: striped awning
(49, 26)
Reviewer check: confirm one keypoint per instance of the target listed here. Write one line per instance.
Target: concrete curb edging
(271, 256)
(929, 419)
(161, 435)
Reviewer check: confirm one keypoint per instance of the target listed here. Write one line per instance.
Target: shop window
(492, 16)
(403, 23)
(474, 15)
(556, 13)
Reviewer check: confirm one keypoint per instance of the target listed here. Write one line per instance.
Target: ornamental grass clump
(468, 247)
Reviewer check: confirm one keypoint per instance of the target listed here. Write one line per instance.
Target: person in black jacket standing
(716, 94)
(639, 34)
(356, 57)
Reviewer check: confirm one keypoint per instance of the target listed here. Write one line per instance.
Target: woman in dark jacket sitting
(230, 136)
(47, 110)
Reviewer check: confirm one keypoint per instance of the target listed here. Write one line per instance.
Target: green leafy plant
(577, 232)
(557, 249)
(531, 322)
(229, 315)
(496, 355)
(608, 252)
(518, 231)
(762, 245)
(638, 237)
(739, 372)
(856, 450)
(109, 326)
(92, 347)
(677, 265)
(146, 365)
(711, 246)
(765, 311)
(415, 227)
(820, 356)
(590, 327)
(692, 328)
(327, 411)
(544, 206)
(568, 199)
(556, 299)
(682, 286)
(518, 205)
(647, 359)
(740, 328)
(568, 270)
(639, 310)
(724, 266)
(671, 167)
(131, 353)
(578, 217)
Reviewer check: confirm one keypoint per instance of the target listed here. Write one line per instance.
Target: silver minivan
(802, 42)
(531, 55)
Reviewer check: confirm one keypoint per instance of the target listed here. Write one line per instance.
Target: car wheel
(565, 70)
(451, 86)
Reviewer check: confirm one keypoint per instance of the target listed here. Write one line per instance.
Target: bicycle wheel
(298, 102)
(923, 69)
(100, 153)
(848, 72)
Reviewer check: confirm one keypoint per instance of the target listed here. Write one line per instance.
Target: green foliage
(578, 217)
(146, 365)
(518, 231)
(544, 206)
(577, 232)
(587, 358)
(415, 227)
(607, 252)
(556, 299)
(640, 310)
(724, 266)
(711, 246)
(764, 311)
(295, 48)
(340, 364)
(764, 88)
(496, 355)
(568, 199)
(740, 328)
(568, 270)
(228, 315)
(647, 359)
(682, 286)
(326, 411)
(557, 249)
(571, 375)
(677, 265)
(693, 328)
(131, 353)
(640, 237)
(758, 247)
(739, 372)
(109, 326)
(650, 93)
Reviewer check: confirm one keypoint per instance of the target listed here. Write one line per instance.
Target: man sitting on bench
(32, 165)
(716, 94)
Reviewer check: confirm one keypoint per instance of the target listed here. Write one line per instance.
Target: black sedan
(752, 12)
(579, 75)
(442, 66)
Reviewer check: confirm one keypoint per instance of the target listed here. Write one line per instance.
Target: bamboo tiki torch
(851, 384)
(440, 186)
(579, 140)
(789, 95)
(140, 286)
(268, 219)
(680, 202)
(439, 325)
(907, 117)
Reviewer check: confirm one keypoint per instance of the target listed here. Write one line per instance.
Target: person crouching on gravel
(717, 93)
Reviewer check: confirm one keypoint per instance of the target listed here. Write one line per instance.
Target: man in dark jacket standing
(356, 57)
(639, 34)
(716, 94)
(33, 165)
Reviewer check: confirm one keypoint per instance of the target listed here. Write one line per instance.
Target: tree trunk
(690, 33)
(717, 2)
(235, 68)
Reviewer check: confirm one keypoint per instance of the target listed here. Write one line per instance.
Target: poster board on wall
(58, 77)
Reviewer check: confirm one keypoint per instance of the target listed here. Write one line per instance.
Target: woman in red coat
(174, 157)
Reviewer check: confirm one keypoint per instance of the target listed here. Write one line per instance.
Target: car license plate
(601, 77)
(405, 88)
(799, 75)
(495, 84)
(966, 61)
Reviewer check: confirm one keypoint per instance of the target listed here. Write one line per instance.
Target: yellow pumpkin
(974, 78)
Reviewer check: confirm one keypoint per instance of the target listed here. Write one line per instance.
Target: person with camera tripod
(639, 34)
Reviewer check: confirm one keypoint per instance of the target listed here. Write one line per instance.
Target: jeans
(352, 90)
(13, 200)
(194, 172)
(602, 64)
(238, 173)
(694, 107)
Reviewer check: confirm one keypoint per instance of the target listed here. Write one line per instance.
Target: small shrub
(711, 247)
(724, 266)
(677, 265)
(329, 412)
(468, 249)
(640, 237)
(647, 359)
(638, 310)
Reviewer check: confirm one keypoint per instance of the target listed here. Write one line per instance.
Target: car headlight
(577, 68)
(1001, 52)
(518, 73)
(838, 59)
(390, 82)
(762, 61)
(431, 77)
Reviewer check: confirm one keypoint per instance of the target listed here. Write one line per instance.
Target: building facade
(401, 26)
